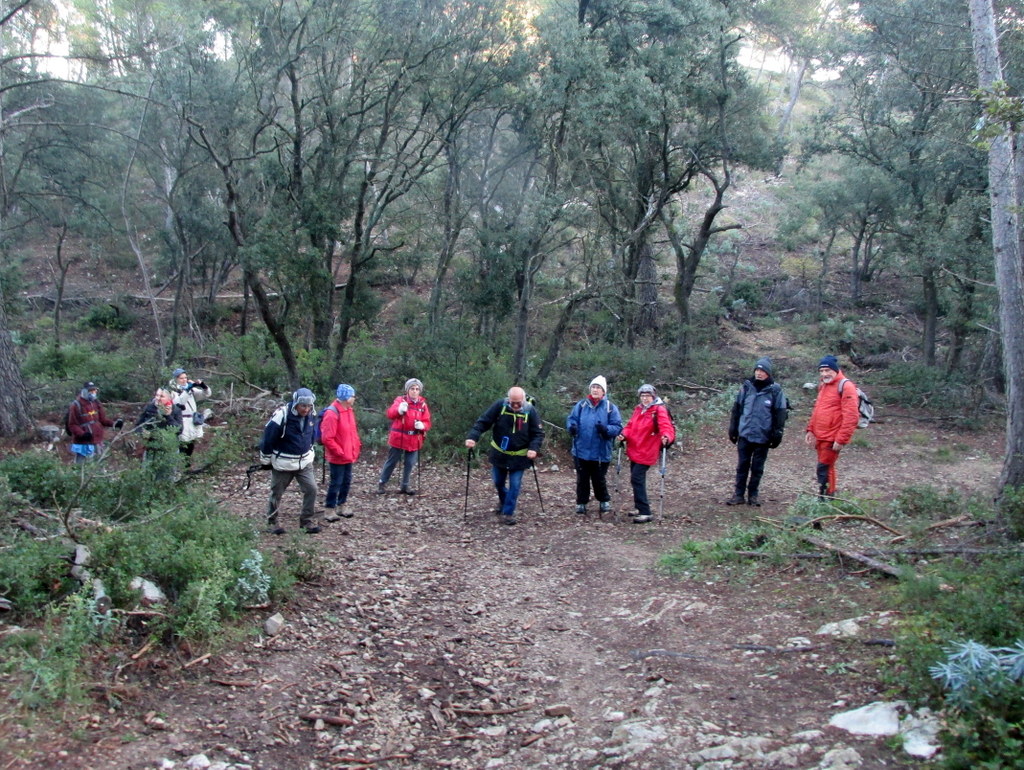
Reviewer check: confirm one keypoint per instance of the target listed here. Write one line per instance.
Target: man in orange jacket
(833, 421)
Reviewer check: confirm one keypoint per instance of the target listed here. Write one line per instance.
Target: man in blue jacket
(593, 424)
(287, 447)
(756, 425)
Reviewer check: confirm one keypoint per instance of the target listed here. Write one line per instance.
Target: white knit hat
(601, 382)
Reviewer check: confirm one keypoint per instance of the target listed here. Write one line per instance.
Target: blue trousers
(508, 495)
(394, 455)
(341, 480)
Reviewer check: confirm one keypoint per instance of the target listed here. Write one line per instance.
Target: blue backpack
(317, 436)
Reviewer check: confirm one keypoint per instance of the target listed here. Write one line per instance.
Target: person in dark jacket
(86, 420)
(755, 426)
(161, 413)
(287, 448)
(516, 438)
(593, 423)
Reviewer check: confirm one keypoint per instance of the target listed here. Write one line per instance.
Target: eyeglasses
(515, 403)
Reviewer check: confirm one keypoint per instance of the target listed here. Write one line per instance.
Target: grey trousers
(279, 481)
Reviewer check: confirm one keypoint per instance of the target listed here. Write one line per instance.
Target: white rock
(197, 762)
(843, 629)
(541, 726)
(797, 641)
(272, 626)
(843, 758)
(807, 736)
(494, 731)
(878, 718)
(151, 593)
(920, 732)
(613, 716)
(426, 693)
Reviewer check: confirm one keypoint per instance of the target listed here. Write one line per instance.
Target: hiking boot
(407, 491)
(311, 529)
(642, 518)
(605, 506)
(509, 519)
(276, 530)
(331, 515)
(735, 500)
(754, 500)
(581, 508)
(343, 512)
(380, 488)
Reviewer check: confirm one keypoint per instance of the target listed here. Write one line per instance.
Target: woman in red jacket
(647, 432)
(832, 422)
(410, 420)
(341, 449)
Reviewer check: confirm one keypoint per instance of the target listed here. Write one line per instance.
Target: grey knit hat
(412, 382)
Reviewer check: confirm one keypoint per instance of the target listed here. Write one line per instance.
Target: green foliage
(985, 704)
(123, 375)
(692, 554)
(115, 317)
(920, 386)
(254, 358)
(51, 669)
(33, 572)
(1011, 509)
(41, 478)
(194, 554)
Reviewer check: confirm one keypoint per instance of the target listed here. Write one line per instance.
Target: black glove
(118, 424)
(775, 440)
(573, 430)
(734, 436)
(86, 437)
(199, 384)
(602, 430)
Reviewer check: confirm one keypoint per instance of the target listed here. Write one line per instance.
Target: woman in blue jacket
(593, 424)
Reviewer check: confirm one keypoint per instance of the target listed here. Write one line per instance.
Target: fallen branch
(853, 517)
(770, 648)
(887, 569)
(368, 761)
(235, 682)
(952, 550)
(489, 712)
(328, 719)
(956, 521)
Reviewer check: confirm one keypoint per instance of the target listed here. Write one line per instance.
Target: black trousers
(751, 462)
(591, 473)
(638, 479)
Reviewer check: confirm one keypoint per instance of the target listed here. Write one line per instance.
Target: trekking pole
(661, 470)
(465, 509)
(537, 481)
(618, 475)
(419, 472)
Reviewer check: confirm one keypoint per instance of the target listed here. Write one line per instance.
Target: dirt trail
(437, 641)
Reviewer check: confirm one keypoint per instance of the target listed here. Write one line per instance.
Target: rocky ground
(440, 638)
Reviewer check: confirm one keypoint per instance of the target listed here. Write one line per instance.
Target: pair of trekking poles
(469, 465)
(662, 467)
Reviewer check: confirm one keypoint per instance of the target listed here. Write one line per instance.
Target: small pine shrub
(109, 316)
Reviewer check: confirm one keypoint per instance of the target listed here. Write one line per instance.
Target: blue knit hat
(176, 372)
(344, 392)
(829, 362)
(765, 365)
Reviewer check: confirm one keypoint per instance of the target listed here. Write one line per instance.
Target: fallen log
(879, 566)
(854, 517)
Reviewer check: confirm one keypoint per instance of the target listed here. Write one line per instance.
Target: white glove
(403, 407)
(418, 425)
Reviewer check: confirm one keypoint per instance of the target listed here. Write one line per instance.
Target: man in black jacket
(516, 437)
(756, 425)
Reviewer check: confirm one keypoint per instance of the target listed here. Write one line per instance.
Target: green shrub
(34, 572)
(51, 669)
(194, 554)
(115, 317)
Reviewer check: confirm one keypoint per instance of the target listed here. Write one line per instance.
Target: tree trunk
(646, 318)
(14, 412)
(1006, 178)
(558, 334)
(930, 290)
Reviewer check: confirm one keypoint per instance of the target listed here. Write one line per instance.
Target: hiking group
(594, 423)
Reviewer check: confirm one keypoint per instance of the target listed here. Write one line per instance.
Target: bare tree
(1006, 191)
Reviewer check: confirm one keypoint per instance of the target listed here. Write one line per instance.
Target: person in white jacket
(186, 392)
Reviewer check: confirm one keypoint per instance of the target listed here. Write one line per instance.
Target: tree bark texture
(1006, 178)
(14, 412)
